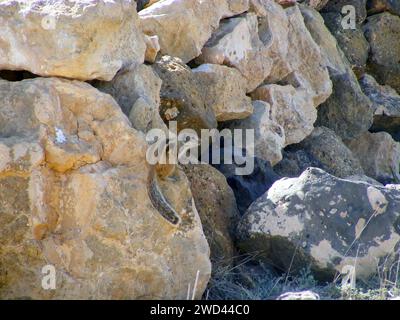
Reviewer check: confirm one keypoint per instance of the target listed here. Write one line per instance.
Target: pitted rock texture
(82, 40)
(323, 222)
(73, 194)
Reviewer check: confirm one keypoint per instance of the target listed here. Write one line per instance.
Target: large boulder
(347, 111)
(184, 26)
(382, 32)
(325, 223)
(379, 155)
(76, 193)
(386, 106)
(182, 98)
(224, 91)
(74, 39)
(137, 91)
(269, 136)
(217, 209)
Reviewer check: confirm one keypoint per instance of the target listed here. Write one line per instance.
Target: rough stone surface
(379, 155)
(386, 106)
(377, 6)
(224, 91)
(269, 136)
(352, 41)
(236, 43)
(81, 40)
(316, 4)
(184, 26)
(324, 222)
(271, 48)
(325, 146)
(359, 6)
(137, 91)
(182, 99)
(291, 108)
(217, 210)
(295, 161)
(382, 32)
(347, 111)
(74, 194)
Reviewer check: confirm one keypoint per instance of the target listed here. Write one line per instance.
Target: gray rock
(337, 5)
(326, 147)
(386, 106)
(352, 41)
(382, 32)
(377, 6)
(323, 222)
(379, 155)
(347, 111)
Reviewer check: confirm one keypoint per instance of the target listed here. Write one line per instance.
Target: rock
(248, 188)
(379, 156)
(269, 136)
(303, 295)
(270, 49)
(295, 161)
(182, 98)
(359, 6)
(364, 178)
(217, 210)
(357, 116)
(325, 146)
(224, 91)
(152, 48)
(306, 59)
(353, 119)
(382, 32)
(386, 106)
(184, 26)
(323, 222)
(74, 195)
(377, 6)
(316, 4)
(352, 41)
(137, 91)
(236, 44)
(291, 108)
(82, 40)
